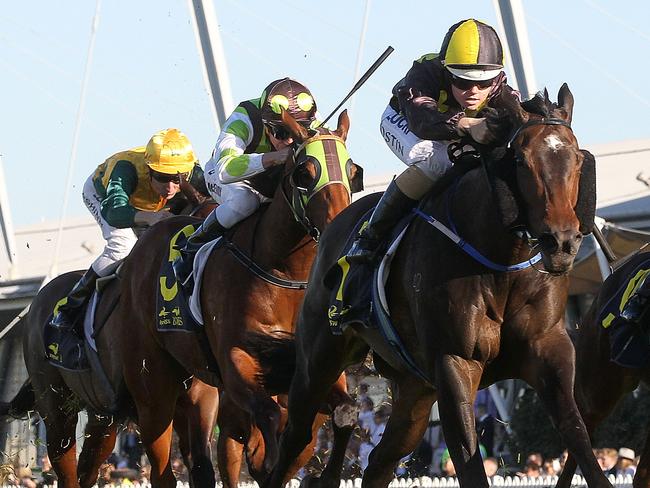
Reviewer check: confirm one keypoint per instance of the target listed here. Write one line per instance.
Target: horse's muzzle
(559, 250)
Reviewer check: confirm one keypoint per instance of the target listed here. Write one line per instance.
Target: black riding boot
(637, 304)
(390, 209)
(68, 312)
(209, 230)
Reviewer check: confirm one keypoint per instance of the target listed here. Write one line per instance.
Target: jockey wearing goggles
(439, 100)
(252, 141)
(130, 189)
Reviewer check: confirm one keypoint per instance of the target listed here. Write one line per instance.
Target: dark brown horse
(59, 395)
(462, 324)
(594, 370)
(248, 320)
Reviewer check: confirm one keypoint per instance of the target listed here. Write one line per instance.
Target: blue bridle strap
(469, 249)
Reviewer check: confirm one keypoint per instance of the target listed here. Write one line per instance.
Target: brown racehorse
(59, 395)
(463, 325)
(248, 321)
(594, 370)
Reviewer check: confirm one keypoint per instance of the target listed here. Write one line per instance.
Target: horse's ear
(343, 125)
(565, 102)
(298, 132)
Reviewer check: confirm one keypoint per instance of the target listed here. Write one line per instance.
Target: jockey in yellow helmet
(131, 188)
(439, 100)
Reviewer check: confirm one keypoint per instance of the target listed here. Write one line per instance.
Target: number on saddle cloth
(350, 284)
(172, 304)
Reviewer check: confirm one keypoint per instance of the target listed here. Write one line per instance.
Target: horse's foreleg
(62, 447)
(550, 370)
(407, 423)
(200, 405)
(56, 405)
(344, 420)
(98, 444)
(229, 457)
(234, 431)
(310, 386)
(244, 387)
(457, 383)
(155, 393)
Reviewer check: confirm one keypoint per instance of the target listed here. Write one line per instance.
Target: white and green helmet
(290, 95)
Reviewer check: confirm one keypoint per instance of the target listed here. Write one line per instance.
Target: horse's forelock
(540, 104)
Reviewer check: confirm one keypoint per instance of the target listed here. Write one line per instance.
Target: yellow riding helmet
(170, 151)
(472, 50)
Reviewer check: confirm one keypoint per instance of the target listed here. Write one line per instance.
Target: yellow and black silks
(172, 306)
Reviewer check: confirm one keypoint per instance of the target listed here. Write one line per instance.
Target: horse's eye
(350, 169)
(304, 174)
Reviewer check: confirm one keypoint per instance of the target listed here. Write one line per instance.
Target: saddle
(74, 349)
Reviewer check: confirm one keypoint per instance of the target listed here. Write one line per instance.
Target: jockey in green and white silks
(252, 141)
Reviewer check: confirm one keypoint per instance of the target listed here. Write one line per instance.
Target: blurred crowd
(128, 464)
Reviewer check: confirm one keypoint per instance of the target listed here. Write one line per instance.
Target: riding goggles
(465, 84)
(168, 178)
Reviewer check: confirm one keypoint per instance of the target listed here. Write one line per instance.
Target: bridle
(533, 122)
(331, 169)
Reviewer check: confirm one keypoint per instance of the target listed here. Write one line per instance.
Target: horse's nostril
(548, 242)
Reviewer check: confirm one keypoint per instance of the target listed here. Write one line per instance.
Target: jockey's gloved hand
(148, 219)
(277, 158)
(476, 128)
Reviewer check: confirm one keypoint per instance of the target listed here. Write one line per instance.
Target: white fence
(425, 481)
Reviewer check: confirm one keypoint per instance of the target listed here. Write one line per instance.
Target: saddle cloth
(69, 349)
(629, 345)
(172, 304)
(351, 284)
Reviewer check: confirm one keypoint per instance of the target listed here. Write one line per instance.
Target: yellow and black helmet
(472, 50)
(290, 95)
(169, 151)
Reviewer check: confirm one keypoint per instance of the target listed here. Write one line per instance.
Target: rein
(464, 245)
(258, 271)
(471, 250)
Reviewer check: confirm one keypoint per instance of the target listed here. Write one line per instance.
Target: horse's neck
(281, 243)
(476, 217)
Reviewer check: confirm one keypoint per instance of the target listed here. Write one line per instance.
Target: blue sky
(146, 74)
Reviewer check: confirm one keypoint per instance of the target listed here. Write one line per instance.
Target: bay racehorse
(594, 369)
(249, 311)
(463, 324)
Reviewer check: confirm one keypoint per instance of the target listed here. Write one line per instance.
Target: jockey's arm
(115, 207)
(425, 102)
(229, 155)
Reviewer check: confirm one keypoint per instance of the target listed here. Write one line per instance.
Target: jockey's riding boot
(68, 312)
(208, 231)
(637, 304)
(390, 209)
